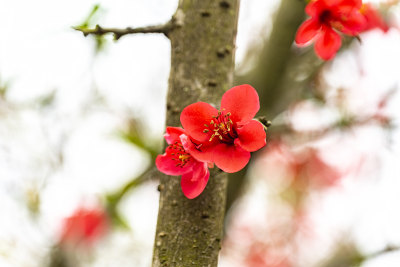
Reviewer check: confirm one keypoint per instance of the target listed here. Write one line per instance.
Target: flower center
(183, 157)
(221, 127)
(325, 17)
(179, 154)
(332, 20)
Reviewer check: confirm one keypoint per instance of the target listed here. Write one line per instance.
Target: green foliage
(91, 18)
(4, 85)
(47, 100)
(136, 135)
(116, 218)
(89, 22)
(113, 199)
(345, 255)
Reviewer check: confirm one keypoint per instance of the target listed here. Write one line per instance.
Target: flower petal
(251, 136)
(356, 4)
(230, 158)
(172, 134)
(166, 165)
(353, 22)
(193, 118)
(199, 152)
(373, 18)
(193, 183)
(315, 7)
(327, 43)
(242, 102)
(307, 31)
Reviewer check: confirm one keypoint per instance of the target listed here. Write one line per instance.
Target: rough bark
(202, 61)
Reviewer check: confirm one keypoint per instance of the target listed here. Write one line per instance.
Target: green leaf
(91, 19)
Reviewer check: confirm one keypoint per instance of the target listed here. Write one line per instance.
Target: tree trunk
(202, 61)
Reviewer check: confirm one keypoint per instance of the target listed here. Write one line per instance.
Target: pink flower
(225, 137)
(84, 227)
(327, 17)
(304, 165)
(310, 165)
(264, 255)
(176, 161)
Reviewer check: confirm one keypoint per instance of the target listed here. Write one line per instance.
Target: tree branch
(341, 124)
(116, 197)
(189, 231)
(113, 199)
(118, 33)
(387, 249)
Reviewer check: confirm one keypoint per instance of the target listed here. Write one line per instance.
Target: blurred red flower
(305, 165)
(309, 165)
(328, 17)
(225, 137)
(263, 255)
(176, 161)
(84, 227)
(373, 18)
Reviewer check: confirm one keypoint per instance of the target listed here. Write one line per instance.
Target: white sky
(39, 53)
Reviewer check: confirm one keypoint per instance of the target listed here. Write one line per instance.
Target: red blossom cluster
(177, 161)
(328, 18)
(84, 227)
(210, 136)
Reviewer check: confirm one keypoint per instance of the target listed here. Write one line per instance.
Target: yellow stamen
(183, 157)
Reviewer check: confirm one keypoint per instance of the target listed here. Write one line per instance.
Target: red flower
(176, 161)
(225, 137)
(373, 18)
(326, 17)
(84, 227)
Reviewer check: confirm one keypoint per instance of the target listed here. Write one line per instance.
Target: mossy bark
(202, 61)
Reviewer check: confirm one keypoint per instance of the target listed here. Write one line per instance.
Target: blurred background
(82, 119)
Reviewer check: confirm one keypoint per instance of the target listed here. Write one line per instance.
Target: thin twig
(118, 33)
(313, 135)
(387, 249)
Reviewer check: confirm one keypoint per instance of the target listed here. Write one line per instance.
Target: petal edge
(230, 158)
(194, 183)
(193, 118)
(327, 44)
(251, 136)
(242, 102)
(307, 31)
